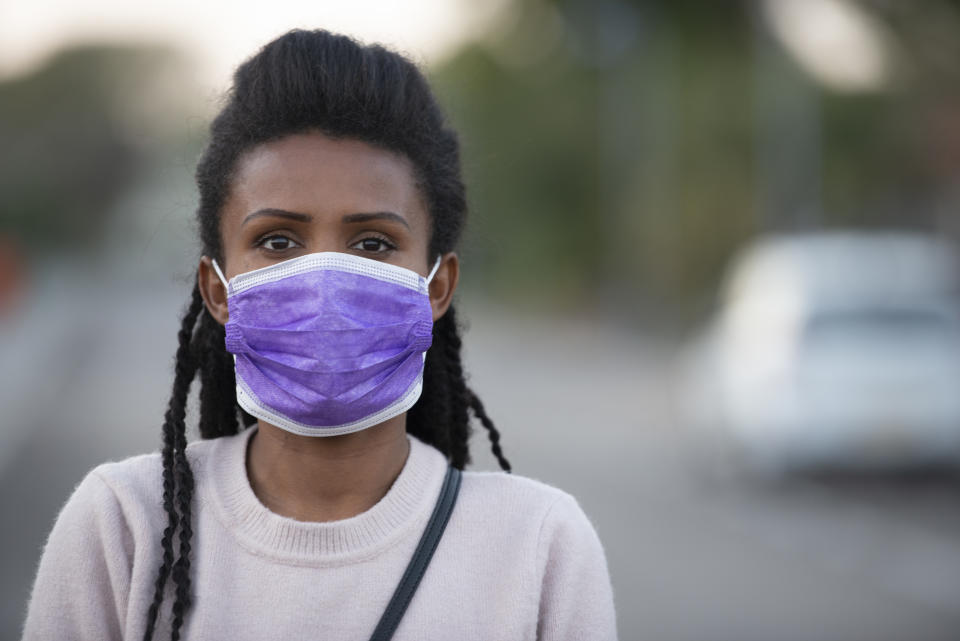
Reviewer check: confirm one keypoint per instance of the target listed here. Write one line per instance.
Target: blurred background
(715, 240)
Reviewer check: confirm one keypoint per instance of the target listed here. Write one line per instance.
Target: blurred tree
(524, 108)
(617, 151)
(613, 149)
(607, 147)
(72, 142)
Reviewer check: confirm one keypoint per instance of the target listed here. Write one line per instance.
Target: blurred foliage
(616, 151)
(75, 135)
(611, 147)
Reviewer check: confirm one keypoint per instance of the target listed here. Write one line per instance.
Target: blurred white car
(833, 350)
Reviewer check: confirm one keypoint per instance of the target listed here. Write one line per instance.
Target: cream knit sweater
(518, 560)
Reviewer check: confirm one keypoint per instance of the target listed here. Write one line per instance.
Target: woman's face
(309, 193)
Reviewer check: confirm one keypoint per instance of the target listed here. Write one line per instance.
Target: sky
(220, 35)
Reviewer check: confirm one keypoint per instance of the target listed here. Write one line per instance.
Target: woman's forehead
(322, 176)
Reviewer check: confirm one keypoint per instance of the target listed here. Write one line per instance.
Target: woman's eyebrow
(278, 213)
(378, 215)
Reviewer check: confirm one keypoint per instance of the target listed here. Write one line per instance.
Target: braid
(427, 418)
(181, 571)
(457, 388)
(481, 414)
(218, 412)
(440, 417)
(201, 348)
(173, 438)
(166, 541)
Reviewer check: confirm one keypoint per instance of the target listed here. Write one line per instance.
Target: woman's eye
(277, 243)
(373, 245)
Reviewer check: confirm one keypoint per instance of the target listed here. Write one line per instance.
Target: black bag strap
(421, 558)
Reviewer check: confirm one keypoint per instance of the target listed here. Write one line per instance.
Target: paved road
(582, 405)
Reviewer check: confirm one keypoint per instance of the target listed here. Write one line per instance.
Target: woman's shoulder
(145, 468)
(128, 473)
(521, 503)
(138, 479)
(500, 489)
(525, 523)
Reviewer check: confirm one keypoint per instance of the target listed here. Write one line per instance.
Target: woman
(331, 204)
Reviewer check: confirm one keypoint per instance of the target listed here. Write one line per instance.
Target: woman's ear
(212, 290)
(444, 283)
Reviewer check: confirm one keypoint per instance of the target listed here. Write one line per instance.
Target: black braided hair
(173, 427)
(313, 81)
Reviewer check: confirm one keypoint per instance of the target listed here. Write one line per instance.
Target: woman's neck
(325, 478)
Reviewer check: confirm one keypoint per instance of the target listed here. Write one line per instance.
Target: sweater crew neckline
(406, 504)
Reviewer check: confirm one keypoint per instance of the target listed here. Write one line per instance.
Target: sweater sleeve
(83, 580)
(576, 598)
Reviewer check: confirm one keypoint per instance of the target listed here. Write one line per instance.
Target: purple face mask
(328, 343)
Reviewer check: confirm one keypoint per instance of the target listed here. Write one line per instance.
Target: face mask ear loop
(433, 271)
(223, 280)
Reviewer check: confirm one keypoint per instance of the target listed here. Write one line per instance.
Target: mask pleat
(327, 347)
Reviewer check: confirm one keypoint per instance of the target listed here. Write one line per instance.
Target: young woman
(331, 204)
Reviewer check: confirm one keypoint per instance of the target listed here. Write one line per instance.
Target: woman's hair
(314, 81)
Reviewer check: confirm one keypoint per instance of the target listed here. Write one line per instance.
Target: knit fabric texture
(518, 560)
